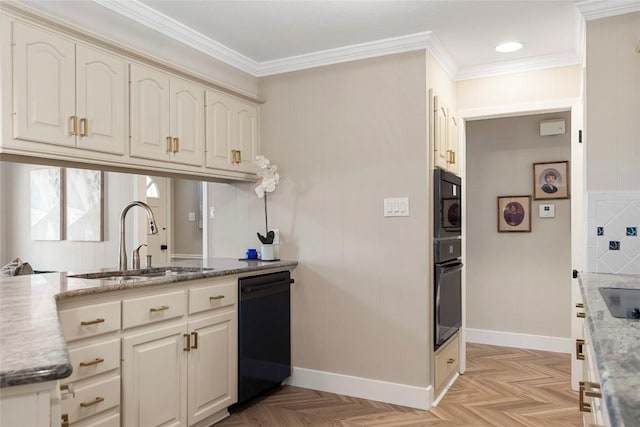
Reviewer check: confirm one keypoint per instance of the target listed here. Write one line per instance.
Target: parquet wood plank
(502, 387)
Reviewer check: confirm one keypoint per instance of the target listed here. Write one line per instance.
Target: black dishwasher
(264, 333)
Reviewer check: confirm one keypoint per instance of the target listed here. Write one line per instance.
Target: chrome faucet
(122, 257)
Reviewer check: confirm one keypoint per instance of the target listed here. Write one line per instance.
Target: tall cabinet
(445, 135)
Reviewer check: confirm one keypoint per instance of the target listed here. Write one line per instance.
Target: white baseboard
(510, 339)
(381, 391)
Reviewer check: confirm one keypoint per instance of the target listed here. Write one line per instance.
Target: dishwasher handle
(253, 288)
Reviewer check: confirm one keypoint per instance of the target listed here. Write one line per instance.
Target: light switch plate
(191, 216)
(547, 211)
(396, 206)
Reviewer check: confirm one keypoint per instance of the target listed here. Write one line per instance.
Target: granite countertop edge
(32, 348)
(616, 346)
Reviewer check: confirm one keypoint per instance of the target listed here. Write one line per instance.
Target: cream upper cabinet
(232, 132)
(167, 117)
(67, 94)
(445, 135)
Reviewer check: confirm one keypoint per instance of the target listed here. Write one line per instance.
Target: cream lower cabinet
(180, 368)
(447, 363)
(590, 400)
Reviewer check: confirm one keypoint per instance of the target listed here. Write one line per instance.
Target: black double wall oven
(447, 255)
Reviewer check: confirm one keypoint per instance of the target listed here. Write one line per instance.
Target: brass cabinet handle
(586, 390)
(450, 361)
(176, 145)
(91, 322)
(69, 391)
(161, 308)
(579, 353)
(579, 305)
(74, 125)
(96, 361)
(188, 344)
(168, 144)
(451, 156)
(84, 127)
(95, 401)
(236, 156)
(64, 418)
(582, 405)
(581, 315)
(217, 297)
(195, 340)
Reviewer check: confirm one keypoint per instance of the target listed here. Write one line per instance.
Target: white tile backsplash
(614, 211)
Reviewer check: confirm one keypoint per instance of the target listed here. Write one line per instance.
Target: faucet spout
(151, 222)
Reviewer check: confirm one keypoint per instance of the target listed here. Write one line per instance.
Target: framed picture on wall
(514, 213)
(551, 180)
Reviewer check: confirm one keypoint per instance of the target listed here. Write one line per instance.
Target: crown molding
(519, 66)
(388, 46)
(145, 15)
(596, 9)
(440, 53)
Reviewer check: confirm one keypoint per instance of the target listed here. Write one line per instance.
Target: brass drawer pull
(195, 340)
(581, 315)
(217, 297)
(93, 402)
(64, 418)
(579, 353)
(161, 308)
(450, 361)
(579, 305)
(176, 145)
(168, 144)
(586, 390)
(188, 344)
(91, 322)
(97, 361)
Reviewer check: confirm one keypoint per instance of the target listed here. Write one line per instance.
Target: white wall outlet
(212, 212)
(191, 216)
(397, 206)
(547, 211)
(276, 237)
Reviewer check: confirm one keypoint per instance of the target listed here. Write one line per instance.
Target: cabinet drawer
(92, 398)
(153, 308)
(93, 359)
(214, 296)
(102, 420)
(446, 362)
(91, 320)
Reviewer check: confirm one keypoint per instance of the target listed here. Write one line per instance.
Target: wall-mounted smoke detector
(552, 127)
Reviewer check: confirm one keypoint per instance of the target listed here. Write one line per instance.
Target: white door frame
(575, 105)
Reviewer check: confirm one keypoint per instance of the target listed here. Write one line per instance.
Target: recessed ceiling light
(509, 47)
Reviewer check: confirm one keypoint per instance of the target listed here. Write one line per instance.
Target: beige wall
(515, 90)
(613, 104)
(516, 282)
(345, 137)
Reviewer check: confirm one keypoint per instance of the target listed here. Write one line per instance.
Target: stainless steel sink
(622, 302)
(142, 274)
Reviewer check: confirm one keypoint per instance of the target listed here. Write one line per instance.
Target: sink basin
(622, 303)
(142, 274)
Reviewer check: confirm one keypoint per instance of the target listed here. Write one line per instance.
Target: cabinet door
(187, 122)
(453, 143)
(246, 134)
(154, 370)
(43, 86)
(101, 100)
(440, 133)
(219, 126)
(150, 134)
(212, 365)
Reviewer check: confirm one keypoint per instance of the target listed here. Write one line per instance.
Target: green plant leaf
(268, 239)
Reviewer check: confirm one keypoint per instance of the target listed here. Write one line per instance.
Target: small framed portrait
(514, 213)
(551, 180)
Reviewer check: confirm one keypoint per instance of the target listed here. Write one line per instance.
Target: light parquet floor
(502, 387)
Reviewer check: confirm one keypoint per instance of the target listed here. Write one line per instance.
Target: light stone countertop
(616, 344)
(32, 348)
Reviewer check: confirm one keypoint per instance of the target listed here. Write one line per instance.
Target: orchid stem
(266, 226)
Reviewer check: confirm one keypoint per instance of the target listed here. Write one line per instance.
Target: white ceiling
(265, 37)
